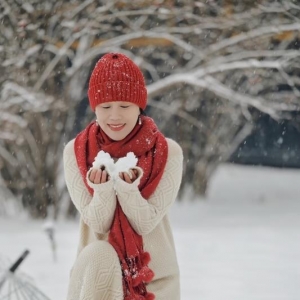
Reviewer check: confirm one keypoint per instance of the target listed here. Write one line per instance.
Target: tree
(211, 68)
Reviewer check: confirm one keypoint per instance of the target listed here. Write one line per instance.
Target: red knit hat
(117, 78)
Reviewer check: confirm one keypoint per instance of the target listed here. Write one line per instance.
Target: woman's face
(117, 119)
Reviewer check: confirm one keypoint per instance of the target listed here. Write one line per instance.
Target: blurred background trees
(213, 70)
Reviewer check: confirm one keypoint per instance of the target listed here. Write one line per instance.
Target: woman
(126, 249)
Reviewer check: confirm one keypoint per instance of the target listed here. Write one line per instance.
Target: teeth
(116, 126)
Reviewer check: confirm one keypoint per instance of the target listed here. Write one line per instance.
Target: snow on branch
(12, 118)
(6, 155)
(251, 63)
(173, 110)
(129, 13)
(250, 35)
(173, 79)
(240, 55)
(255, 101)
(56, 59)
(20, 61)
(215, 86)
(289, 4)
(165, 83)
(289, 81)
(10, 13)
(78, 9)
(222, 91)
(105, 46)
(238, 139)
(37, 101)
(7, 136)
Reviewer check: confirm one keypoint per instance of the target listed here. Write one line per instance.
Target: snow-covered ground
(242, 242)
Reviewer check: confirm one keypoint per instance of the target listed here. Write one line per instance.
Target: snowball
(103, 159)
(124, 164)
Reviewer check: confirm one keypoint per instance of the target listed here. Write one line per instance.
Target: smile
(116, 127)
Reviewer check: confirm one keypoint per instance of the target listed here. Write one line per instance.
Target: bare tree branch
(251, 35)
(284, 54)
(55, 60)
(118, 41)
(182, 114)
(238, 98)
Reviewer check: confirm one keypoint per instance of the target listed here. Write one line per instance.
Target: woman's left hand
(125, 176)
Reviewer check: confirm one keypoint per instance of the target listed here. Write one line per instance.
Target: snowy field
(241, 243)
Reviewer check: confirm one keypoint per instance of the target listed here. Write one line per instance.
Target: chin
(117, 138)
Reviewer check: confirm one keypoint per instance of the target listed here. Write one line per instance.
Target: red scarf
(150, 147)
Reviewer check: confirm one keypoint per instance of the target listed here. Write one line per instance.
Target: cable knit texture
(150, 146)
(96, 276)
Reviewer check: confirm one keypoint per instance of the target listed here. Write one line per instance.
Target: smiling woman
(117, 119)
(126, 248)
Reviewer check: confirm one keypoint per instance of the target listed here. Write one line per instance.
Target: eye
(124, 106)
(105, 107)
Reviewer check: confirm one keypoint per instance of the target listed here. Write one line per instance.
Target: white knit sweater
(148, 218)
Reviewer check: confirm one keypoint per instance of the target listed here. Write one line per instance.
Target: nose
(115, 113)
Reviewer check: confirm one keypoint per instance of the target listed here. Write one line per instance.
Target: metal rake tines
(18, 286)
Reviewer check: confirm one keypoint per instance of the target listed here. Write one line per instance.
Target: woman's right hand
(98, 176)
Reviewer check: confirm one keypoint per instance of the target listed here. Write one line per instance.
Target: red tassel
(147, 274)
(134, 297)
(146, 258)
(144, 275)
(150, 296)
(137, 280)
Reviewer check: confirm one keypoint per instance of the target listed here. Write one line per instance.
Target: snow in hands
(124, 164)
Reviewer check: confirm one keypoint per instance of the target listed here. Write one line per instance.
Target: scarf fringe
(149, 296)
(144, 275)
(137, 274)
